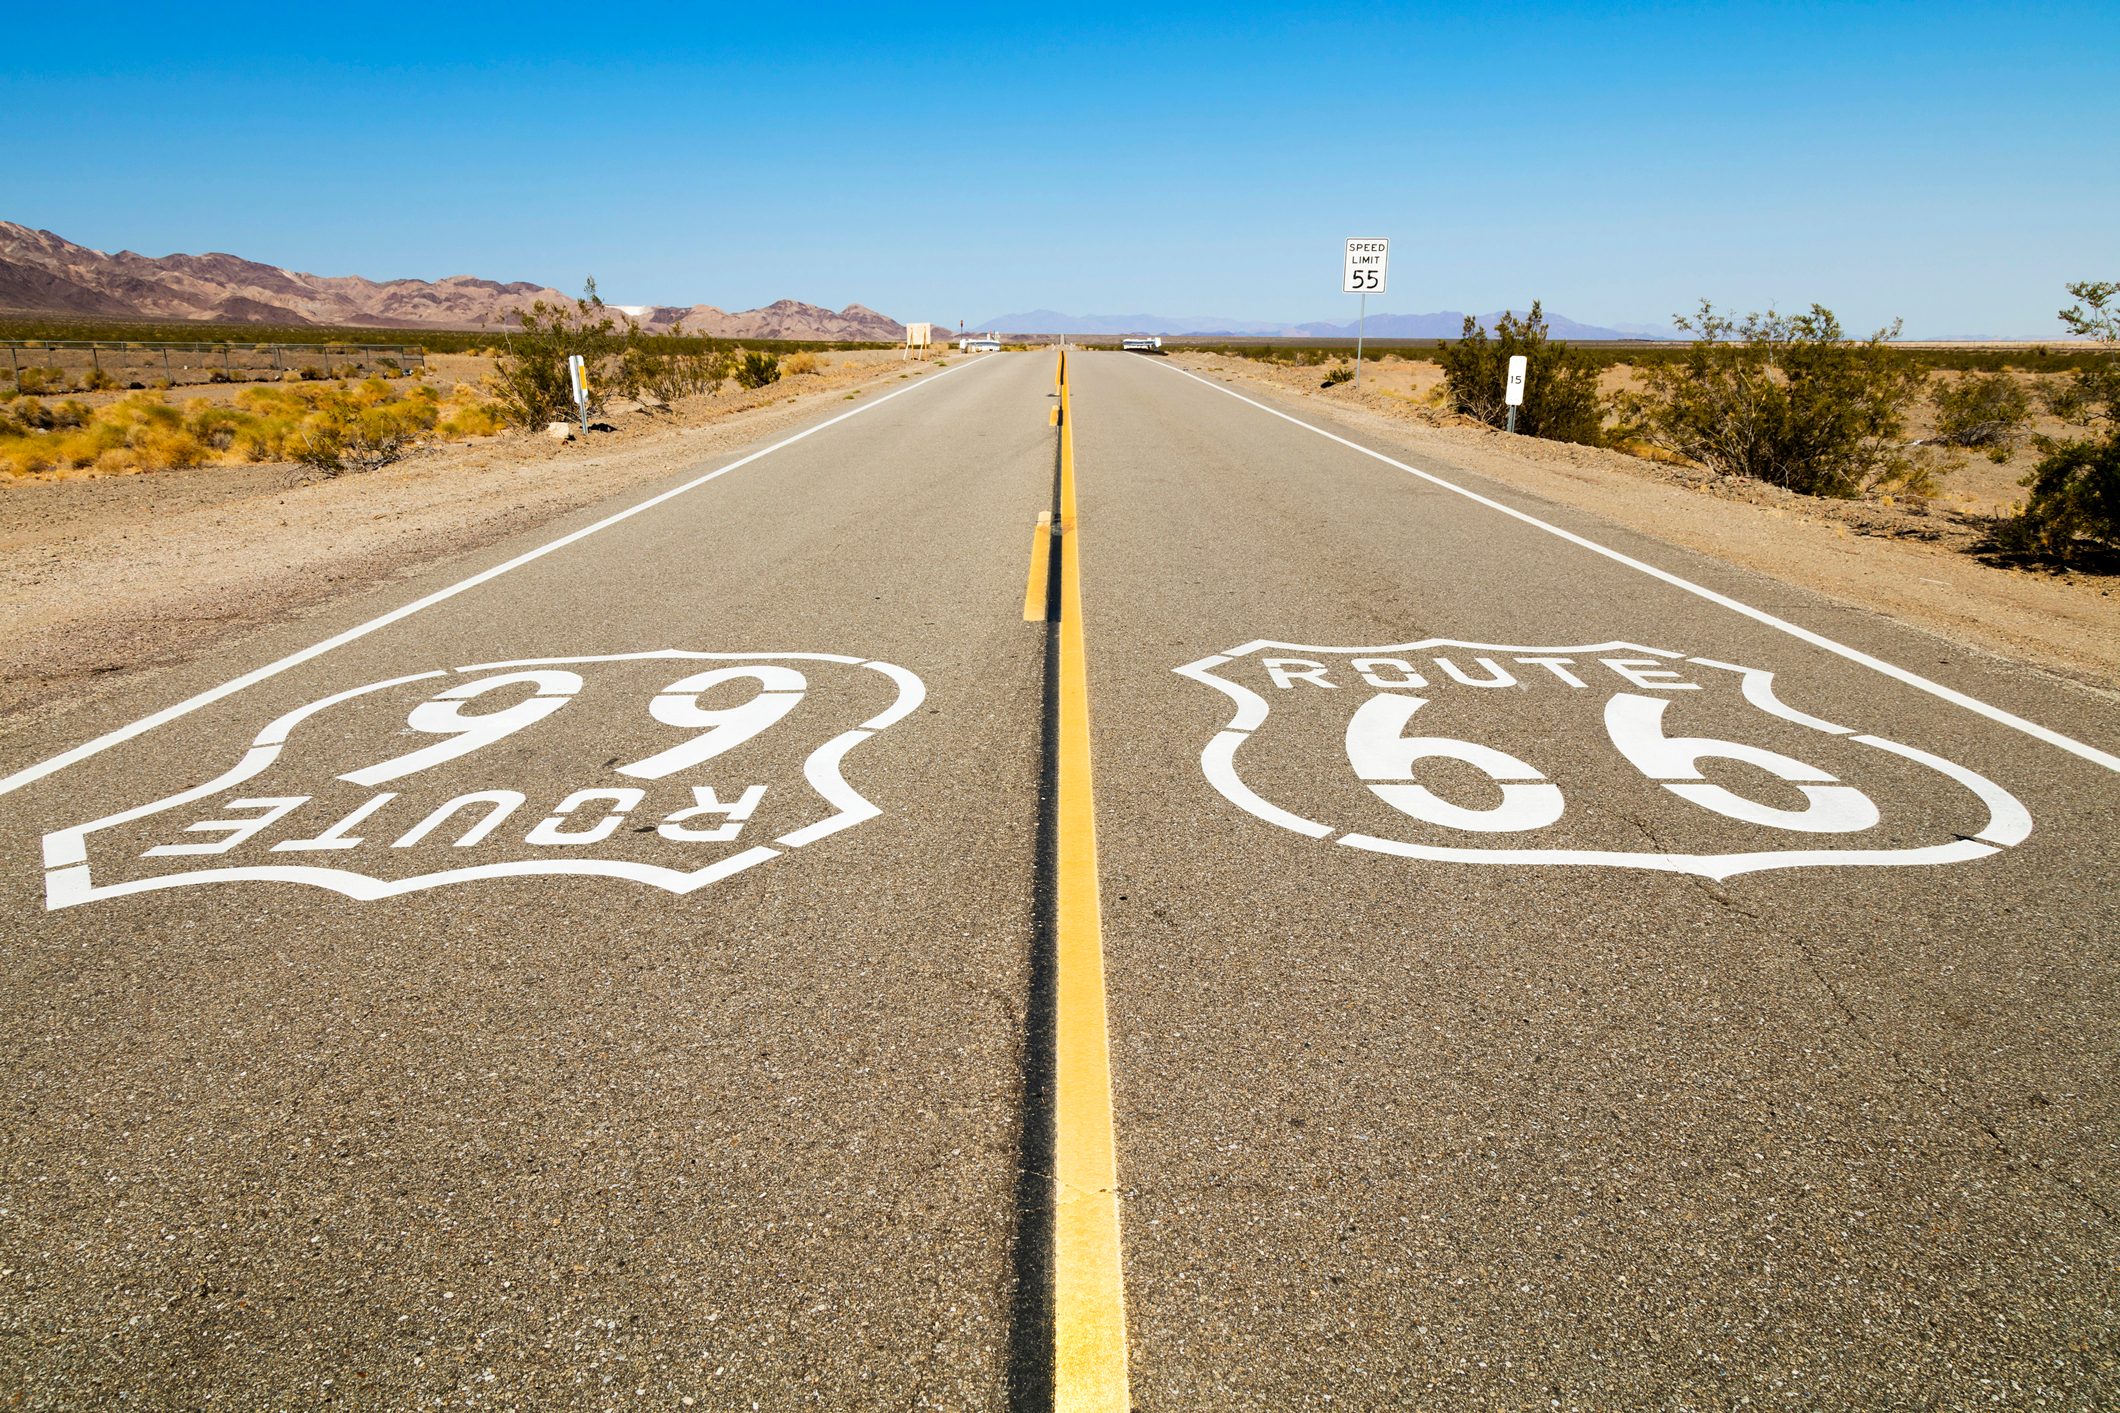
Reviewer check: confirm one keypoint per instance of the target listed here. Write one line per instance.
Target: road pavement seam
(31, 773)
(1089, 1297)
(1759, 615)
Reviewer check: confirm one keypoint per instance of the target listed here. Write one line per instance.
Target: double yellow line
(1089, 1296)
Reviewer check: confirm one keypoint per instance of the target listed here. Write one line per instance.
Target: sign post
(578, 379)
(1513, 389)
(1366, 262)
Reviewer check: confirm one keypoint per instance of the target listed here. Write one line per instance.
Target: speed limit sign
(1366, 259)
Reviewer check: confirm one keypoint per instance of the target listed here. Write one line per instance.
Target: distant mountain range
(41, 273)
(1444, 324)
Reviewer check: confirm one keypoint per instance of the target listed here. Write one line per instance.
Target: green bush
(1985, 412)
(2073, 511)
(1789, 400)
(1561, 402)
(757, 370)
(1338, 373)
(2074, 506)
(529, 378)
(671, 366)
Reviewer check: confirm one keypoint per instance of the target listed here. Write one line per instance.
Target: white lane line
(1912, 679)
(30, 774)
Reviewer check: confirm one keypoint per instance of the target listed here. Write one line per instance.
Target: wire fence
(86, 365)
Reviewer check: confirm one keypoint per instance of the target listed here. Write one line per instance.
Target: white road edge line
(32, 773)
(1912, 679)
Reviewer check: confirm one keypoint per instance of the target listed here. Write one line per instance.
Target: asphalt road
(567, 1141)
(625, 981)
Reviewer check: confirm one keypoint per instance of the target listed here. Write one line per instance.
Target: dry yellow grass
(145, 432)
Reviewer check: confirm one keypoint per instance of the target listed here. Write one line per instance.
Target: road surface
(1539, 967)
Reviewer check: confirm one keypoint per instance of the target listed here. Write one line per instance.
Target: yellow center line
(1034, 595)
(1089, 1296)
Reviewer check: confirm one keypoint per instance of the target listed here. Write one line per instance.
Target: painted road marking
(691, 807)
(1089, 1294)
(1034, 588)
(1545, 727)
(32, 773)
(1819, 640)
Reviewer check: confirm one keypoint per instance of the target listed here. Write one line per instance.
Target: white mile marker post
(1367, 258)
(578, 379)
(1513, 389)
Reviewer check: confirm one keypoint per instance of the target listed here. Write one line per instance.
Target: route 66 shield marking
(672, 768)
(1594, 755)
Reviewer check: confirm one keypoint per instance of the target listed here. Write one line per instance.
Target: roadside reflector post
(1367, 260)
(578, 380)
(1513, 389)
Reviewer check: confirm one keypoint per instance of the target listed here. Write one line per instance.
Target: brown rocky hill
(41, 273)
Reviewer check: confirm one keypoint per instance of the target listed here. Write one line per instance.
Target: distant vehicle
(979, 345)
(1142, 343)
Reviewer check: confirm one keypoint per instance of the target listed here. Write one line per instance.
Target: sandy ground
(1912, 561)
(101, 576)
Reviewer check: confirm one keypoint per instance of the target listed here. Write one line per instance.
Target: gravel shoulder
(1915, 563)
(104, 577)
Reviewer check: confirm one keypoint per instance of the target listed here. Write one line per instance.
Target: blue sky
(1952, 164)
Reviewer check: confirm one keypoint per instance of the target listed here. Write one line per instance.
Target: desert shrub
(470, 419)
(2074, 505)
(215, 426)
(262, 439)
(529, 378)
(1985, 412)
(159, 444)
(2073, 510)
(311, 373)
(796, 364)
(35, 382)
(1561, 402)
(757, 370)
(220, 375)
(97, 380)
(1790, 400)
(671, 366)
(1338, 373)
